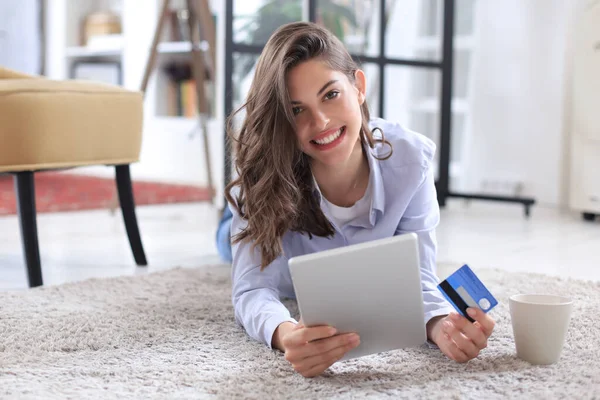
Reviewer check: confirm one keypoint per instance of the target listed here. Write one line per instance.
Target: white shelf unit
(174, 47)
(172, 148)
(85, 52)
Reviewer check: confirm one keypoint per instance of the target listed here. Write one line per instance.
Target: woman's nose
(320, 120)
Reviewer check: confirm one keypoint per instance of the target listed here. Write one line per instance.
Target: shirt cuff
(271, 325)
(437, 312)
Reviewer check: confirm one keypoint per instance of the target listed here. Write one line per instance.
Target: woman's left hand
(460, 339)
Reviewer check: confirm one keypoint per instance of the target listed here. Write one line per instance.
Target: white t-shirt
(342, 215)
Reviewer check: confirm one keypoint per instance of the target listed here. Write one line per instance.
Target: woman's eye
(331, 95)
(296, 110)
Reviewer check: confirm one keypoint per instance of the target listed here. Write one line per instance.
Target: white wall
(521, 94)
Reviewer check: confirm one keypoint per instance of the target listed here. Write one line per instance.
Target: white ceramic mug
(540, 323)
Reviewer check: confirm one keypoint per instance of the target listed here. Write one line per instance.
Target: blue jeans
(224, 235)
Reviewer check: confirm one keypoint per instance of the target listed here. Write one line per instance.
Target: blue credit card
(463, 289)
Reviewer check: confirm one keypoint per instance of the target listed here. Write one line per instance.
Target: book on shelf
(182, 99)
(182, 96)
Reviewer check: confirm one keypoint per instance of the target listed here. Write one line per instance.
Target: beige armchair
(49, 125)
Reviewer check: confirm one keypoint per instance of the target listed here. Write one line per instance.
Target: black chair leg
(25, 191)
(125, 190)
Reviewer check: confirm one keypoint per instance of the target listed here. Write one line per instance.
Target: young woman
(314, 173)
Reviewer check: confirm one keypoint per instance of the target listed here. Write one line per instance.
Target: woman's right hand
(312, 350)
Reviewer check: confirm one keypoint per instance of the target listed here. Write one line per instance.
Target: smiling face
(326, 106)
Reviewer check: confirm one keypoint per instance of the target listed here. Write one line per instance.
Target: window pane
(458, 133)
(243, 72)
(460, 84)
(457, 157)
(430, 11)
(372, 74)
(410, 89)
(413, 101)
(414, 29)
(355, 22)
(426, 123)
(426, 85)
(255, 20)
(463, 18)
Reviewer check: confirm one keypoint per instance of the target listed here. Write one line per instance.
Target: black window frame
(445, 66)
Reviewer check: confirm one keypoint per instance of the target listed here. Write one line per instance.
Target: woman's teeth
(330, 138)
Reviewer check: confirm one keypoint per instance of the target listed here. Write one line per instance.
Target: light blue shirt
(403, 199)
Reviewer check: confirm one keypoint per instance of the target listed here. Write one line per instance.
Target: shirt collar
(375, 185)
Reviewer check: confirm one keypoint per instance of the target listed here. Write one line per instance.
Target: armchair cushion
(48, 124)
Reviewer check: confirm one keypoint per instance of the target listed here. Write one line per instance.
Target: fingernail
(471, 312)
(454, 316)
(332, 331)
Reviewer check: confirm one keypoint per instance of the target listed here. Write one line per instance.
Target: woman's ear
(361, 85)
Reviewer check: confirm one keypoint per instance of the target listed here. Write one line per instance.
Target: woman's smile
(329, 139)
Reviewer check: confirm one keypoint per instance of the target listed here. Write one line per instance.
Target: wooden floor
(81, 245)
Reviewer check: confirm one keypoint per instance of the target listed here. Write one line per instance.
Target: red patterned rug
(56, 191)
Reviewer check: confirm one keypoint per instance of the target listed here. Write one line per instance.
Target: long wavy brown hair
(276, 189)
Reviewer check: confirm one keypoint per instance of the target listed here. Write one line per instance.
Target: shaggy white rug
(172, 335)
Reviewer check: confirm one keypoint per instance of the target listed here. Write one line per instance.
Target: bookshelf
(172, 143)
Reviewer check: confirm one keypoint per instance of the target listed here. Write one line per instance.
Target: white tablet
(372, 288)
